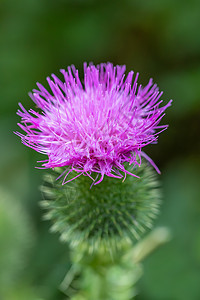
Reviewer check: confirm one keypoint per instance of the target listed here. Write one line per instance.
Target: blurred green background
(159, 39)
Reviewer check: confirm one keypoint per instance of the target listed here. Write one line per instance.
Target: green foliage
(99, 277)
(16, 238)
(176, 265)
(107, 216)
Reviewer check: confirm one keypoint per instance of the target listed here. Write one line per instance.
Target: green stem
(156, 238)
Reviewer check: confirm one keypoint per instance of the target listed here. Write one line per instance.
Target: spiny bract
(108, 216)
(95, 126)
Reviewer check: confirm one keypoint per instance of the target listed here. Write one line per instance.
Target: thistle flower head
(95, 126)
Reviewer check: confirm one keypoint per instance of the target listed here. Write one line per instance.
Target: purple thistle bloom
(96, 126)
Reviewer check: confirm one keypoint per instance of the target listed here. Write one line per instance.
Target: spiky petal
(94, 126)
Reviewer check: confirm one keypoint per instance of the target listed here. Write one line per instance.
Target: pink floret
(94, 126)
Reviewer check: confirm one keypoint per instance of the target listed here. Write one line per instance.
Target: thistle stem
(155, 239)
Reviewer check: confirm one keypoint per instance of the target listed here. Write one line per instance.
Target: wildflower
(95, 126)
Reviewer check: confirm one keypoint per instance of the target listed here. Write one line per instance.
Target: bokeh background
(159, 39)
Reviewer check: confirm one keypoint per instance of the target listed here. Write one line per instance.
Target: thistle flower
(95, 126)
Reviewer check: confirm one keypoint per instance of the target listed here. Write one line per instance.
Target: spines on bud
(107, 216)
